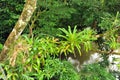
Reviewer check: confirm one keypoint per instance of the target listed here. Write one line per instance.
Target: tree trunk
(26, 14)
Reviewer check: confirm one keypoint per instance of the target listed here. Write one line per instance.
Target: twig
(3, 73)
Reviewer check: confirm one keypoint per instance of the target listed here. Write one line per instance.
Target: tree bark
(24, 18)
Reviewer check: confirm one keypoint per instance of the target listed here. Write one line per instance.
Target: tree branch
(22, 22)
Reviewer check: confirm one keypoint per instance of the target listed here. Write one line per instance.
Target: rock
(75, 62)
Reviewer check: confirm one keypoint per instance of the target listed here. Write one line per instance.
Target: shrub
(59, 70)
(74, 39)
(95, 72)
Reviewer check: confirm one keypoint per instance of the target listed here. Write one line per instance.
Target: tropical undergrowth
(37, 58)
(95, 72)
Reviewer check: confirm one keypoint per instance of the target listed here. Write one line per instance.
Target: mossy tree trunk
(24, 18)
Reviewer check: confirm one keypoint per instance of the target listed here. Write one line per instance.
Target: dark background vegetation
(51, 15)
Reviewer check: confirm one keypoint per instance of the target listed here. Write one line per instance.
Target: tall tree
(26, 14)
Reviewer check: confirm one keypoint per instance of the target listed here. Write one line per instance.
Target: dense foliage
(59, 27)
(95, 72)
(31, 59)
(9, 13)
